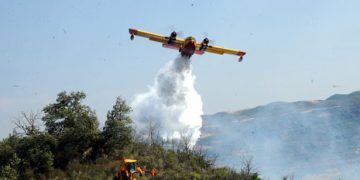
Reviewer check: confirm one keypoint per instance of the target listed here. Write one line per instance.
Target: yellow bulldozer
(129, 169)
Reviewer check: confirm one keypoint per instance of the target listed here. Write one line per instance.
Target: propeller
(180, 34)
(206, 35)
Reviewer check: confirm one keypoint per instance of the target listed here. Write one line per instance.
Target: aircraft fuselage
(188, 48)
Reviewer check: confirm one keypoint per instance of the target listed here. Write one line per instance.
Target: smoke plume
(172, 103)
(305, 139)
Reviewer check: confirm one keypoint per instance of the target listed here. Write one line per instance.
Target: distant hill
(312, 139)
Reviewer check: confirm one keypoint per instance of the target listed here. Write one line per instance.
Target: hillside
(72, 146)
(321, 138)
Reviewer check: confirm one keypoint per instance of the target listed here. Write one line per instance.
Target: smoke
(172, 103)
(307, 139)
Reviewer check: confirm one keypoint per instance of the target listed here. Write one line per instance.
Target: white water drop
(172, 103)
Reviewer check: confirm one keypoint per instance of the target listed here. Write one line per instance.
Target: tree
(36, 153)
(10, 171)
(74, 125)
(117, 132)
(152, 133)
(9, 162)
(27, 123)
(247, 169)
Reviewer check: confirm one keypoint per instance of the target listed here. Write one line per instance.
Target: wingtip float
(188, 46)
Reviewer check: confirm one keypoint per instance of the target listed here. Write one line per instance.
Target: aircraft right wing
(157, 38)
(222, 50)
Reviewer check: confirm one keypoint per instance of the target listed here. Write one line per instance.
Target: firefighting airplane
(187, 47)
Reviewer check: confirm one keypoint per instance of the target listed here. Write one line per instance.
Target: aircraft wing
(222, 50)
(156, 37)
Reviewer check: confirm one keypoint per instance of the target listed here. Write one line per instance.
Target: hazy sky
(297, 50)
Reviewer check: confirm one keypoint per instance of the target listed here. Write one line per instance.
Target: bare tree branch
(27, 123)
(247, 166)
(185, 142)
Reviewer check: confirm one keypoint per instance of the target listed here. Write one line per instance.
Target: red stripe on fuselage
(170, 46)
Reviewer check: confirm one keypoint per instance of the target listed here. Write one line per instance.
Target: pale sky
(296, 50)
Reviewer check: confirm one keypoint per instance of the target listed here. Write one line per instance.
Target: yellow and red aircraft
(187, 47)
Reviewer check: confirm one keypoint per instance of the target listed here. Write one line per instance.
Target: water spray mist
(172, 103)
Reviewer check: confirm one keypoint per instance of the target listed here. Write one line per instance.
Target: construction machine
(129, 168)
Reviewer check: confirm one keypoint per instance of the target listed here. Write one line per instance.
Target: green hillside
(65, 142)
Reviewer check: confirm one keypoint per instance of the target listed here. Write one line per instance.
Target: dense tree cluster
(72, 146)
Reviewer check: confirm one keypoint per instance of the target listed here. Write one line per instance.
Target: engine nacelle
(173, 34)
(205, 41)
(172, 38)
(204, 44)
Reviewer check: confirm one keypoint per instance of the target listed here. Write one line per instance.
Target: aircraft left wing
(222, 50)
(156, 37)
